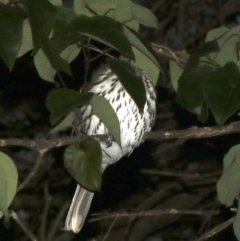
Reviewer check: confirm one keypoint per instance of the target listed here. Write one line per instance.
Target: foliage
(213, 66)
(8, 183)
(84, 163)
(55, 35)
(211, 82)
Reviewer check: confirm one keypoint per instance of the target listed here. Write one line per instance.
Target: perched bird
(133, 125)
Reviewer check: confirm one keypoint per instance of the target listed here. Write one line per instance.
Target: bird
(133, 125)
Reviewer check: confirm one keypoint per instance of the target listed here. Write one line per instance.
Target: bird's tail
(78, 210)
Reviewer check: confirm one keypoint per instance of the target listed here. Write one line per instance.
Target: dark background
(126, 185)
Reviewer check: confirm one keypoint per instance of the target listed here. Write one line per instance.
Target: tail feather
(79, 209)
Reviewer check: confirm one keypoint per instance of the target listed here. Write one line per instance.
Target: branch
(45, 145)
(216, 230)
(191, 133)
(22, 225)
(181, 175)
(194, 132)
(101, 216)
(57, 221)
(33, 172)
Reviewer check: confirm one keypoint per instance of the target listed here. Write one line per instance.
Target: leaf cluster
(210, 81)
(211, 78)
(55, 35)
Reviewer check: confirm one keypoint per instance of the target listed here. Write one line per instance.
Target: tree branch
(194, 132)
(23, 226)
(33, 172)
(150, 213)
(190, 133)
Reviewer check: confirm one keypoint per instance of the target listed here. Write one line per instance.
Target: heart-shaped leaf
(42, 16)
(144, 16)
(221, 91)
(11, 33)
(190, 94)
(101, 28)
(84, 163)
(63, 101)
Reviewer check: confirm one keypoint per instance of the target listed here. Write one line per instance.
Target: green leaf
(144, 63)
(205, 49)
(104, 111)
(100, 28)
(228, 186)
(142, 46)
(64, 34)
(203, 115)
(216, 33)
(27, 43)
(221, 91)
(70, 53)
(119, 10)
(65, 123)
(56, 2)
(228, 51)
(43, 66)
(227, 39)
(144, 16)
(102, 7)
(84, 163)
(236, 223)
(190, 94)
(42, 15)
(54, 58)
(63, 101)
(123, 14)
(175, 73)
(130, 81)
(8, 183)
(11, 33)
(229, 157)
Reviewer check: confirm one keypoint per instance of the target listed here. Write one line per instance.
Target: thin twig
(89, 8)
(48, 200)
(110, 228)
(150, 202)
(57, 221)
(181, 175)
(24, 228)
(33, 171)
(216, 230)
(104, 52)
(150, 214)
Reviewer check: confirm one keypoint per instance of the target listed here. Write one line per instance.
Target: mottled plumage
(133, 125)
